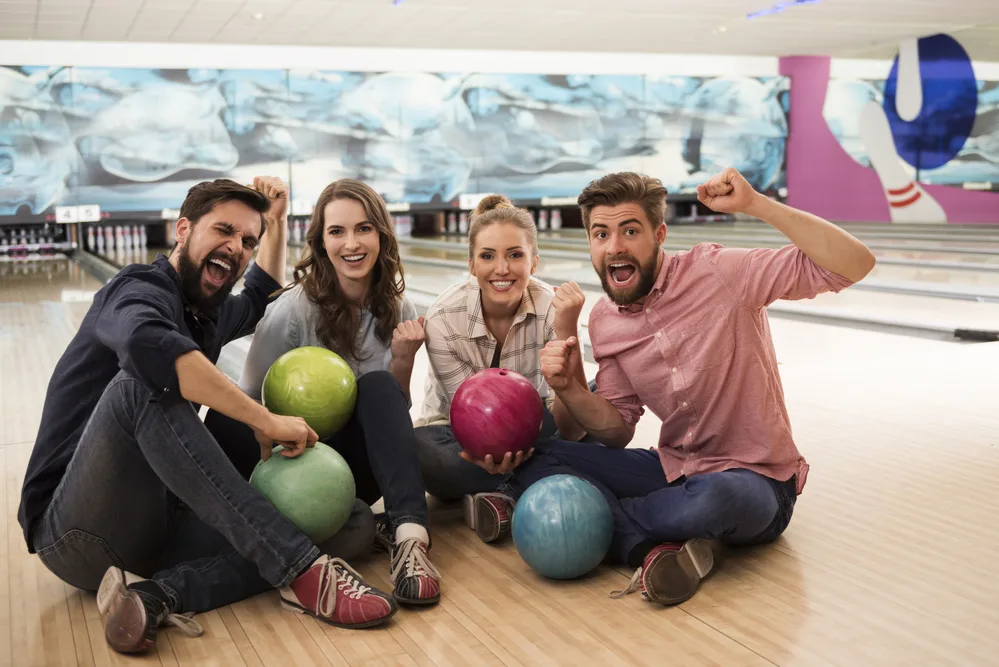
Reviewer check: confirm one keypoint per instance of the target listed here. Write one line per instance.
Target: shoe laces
(186, 624)
(411, 557)
(633, 585)
(347, 580)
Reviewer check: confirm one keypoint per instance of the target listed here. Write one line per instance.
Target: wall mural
(134, 140)
(928, 122)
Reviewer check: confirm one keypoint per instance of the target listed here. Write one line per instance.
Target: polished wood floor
(890, 559)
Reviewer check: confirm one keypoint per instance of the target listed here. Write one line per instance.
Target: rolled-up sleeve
(241, 313)
(136, 322)
(447, 363)
(612, 382)
(760, 276)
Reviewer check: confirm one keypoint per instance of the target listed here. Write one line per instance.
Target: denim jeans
(446, 475)
(378, 443)
(149, 490)
(737, 506)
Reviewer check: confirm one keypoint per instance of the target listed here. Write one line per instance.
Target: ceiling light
(779, 7)
(259, 16)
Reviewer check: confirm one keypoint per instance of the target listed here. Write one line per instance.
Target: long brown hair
(498, 208)
(339, 317)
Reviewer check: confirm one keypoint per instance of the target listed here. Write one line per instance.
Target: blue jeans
(738, 506)
(149, 490)
(446, 475)
(378, 443)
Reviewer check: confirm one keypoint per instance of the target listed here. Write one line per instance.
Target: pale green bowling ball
(314, 490)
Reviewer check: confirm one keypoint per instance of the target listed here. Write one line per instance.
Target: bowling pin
(463, 223)
(907, 200)
(452, 223)
(142, 236)
(556, 221)
(543, 219)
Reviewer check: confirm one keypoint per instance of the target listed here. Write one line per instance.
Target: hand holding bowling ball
(507, 464)
(407, 338)
(558, 358)
(496, 415)
(727, 192)
(292, 433)
(568, 303)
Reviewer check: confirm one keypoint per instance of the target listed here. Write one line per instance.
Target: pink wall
(823, 179)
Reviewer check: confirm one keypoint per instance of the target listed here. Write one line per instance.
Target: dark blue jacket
(139, 322)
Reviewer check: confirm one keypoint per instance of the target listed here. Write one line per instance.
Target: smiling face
(624, 250)
(351, 241)
(502, 263)
(213, 253)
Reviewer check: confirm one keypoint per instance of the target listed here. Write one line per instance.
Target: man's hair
(622, 188)
(205, 196)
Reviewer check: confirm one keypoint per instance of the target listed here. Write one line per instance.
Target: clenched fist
(407, 338)
(568, 303)
(558, 359)
(277, 191)
(727, 192)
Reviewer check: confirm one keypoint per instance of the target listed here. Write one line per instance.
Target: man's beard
(191, 276)
(640, 289)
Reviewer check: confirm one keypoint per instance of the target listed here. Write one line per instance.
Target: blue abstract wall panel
(134, 140)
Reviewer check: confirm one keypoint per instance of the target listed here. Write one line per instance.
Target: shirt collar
(658, 287)
(162, 262)
(477, 319)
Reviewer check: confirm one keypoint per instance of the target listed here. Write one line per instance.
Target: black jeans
(150, 491)
(378, 443)
(737, 506)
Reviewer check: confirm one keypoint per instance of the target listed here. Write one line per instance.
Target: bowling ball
(950, 104)
(314, 490)
(562, 527)
(496, 411)
(312, 383)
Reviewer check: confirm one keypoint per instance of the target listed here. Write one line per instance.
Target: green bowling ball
(312, 383)
(315, 490)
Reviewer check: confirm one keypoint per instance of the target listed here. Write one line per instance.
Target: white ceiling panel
(844, 28)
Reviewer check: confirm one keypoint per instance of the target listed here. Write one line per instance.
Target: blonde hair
(495, 209)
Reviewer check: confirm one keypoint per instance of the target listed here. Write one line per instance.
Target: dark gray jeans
(149, 490)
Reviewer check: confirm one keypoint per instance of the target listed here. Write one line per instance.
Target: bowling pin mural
(929, 109)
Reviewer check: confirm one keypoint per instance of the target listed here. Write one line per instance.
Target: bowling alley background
(133, 140)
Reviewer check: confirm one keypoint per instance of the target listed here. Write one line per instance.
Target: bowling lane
(851, 307)
(928, 278)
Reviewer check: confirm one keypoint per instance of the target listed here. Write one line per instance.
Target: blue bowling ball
(562, 527)
(950, 104)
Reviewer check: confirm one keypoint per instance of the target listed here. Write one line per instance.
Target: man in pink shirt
(687, 337)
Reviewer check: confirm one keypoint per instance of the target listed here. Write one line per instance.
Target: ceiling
(843, 28)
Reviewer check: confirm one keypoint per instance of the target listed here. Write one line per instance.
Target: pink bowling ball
(494, 412)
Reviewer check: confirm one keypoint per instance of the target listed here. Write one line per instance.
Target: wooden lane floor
(889, 559)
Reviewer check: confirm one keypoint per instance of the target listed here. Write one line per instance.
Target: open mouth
(218, 270)
(501, 285)
(353, 259)
(621, 273)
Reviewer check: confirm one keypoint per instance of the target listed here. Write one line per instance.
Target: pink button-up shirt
(699, 354)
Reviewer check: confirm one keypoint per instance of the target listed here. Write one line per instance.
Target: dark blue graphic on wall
(134, 140)
(954, 140)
